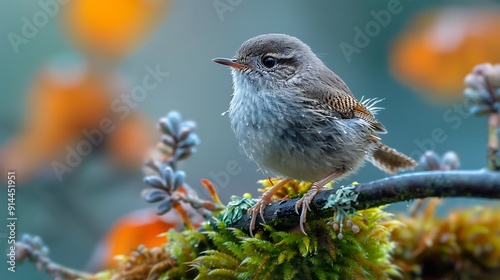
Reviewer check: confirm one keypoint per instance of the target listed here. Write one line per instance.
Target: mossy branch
(478, 184)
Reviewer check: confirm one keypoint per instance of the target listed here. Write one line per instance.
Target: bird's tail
(390, 160)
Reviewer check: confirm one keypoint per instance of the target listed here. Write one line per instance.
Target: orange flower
(112, 28)
(141, 227)
(63, 101)
(440, 47)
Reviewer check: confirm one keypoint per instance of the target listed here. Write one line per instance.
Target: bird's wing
(349, 107)
(334, 98)
(363, 113)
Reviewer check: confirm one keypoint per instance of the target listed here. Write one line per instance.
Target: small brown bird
(297, 119)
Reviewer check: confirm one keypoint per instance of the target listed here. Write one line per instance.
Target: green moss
(183, 247)
(293, 255)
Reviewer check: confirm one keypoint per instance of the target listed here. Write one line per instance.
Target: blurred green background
(71, 216)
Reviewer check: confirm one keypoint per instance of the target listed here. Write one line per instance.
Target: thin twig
(31, 250)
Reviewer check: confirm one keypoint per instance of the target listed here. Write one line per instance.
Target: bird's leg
(306, 200)
(263, 202)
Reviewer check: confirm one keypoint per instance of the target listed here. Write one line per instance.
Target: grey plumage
(298, 119)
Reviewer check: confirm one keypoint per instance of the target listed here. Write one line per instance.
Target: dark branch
(478, 184)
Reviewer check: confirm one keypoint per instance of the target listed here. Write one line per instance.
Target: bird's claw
(258, 208)
(305, 203)
(261, 205)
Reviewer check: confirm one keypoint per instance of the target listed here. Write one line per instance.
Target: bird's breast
(286, 139)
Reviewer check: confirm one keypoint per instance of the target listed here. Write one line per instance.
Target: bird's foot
(260, 206)
(304, 202)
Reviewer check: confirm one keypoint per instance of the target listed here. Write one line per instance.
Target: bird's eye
(269, 61)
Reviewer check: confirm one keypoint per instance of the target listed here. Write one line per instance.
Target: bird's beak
(231, 63)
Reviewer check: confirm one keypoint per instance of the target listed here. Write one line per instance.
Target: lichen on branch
(406, 187)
